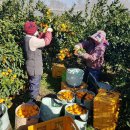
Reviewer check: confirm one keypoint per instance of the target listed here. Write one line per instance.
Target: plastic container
(74, 76)
(58, 70)
(83, 117)
(84, 100)
(106, 110)
(4, 120)
(50, 108)
(66, 96)
(22, 123)
(60, 123)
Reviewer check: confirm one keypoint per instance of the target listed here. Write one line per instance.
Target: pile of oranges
(65, 95)
(63, 54)
(28, 110)
(76, 109)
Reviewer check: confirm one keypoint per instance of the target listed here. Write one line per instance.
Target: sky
(69, 3)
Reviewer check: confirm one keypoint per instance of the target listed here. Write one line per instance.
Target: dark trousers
(96, 74)
(34, 86)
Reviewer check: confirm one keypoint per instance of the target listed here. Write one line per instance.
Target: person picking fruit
(34, 42)
(92, 50)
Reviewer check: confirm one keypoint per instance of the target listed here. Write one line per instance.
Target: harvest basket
(50, 108)
(66, 96)
(22, 123)
(77, 115)
(58, 70)
(4, 119)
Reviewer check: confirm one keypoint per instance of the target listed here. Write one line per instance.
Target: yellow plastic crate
(107, 127)
(58, 70)
(60, 123)
(106, 106)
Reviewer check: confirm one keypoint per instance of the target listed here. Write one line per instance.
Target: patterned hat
(100, 37)
(30, 27)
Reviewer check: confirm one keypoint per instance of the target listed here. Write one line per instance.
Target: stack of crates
(58, 70)
(106, 110)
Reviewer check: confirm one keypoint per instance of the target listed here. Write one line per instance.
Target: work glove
(77, 47)
(42, 34)
(50, 29)
(78, 51)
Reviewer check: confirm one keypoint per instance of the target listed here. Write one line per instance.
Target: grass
(49, 85)
(90, 128)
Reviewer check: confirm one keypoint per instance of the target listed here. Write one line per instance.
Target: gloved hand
(47, 29)
(80, 52)
(76, 47)
(50, 29)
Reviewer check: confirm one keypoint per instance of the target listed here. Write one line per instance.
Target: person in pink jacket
(34, 42)
(94, 47)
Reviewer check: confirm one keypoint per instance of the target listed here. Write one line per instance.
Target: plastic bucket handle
(83, 98)
(33, 117)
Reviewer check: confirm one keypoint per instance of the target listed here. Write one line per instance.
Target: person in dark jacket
(34, 42)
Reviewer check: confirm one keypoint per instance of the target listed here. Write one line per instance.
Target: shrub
(69, 29)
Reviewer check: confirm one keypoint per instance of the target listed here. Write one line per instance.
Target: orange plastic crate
(58, 70)
(60, 123)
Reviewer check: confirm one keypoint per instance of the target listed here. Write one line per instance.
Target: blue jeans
(96, 74)
(34, 86)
